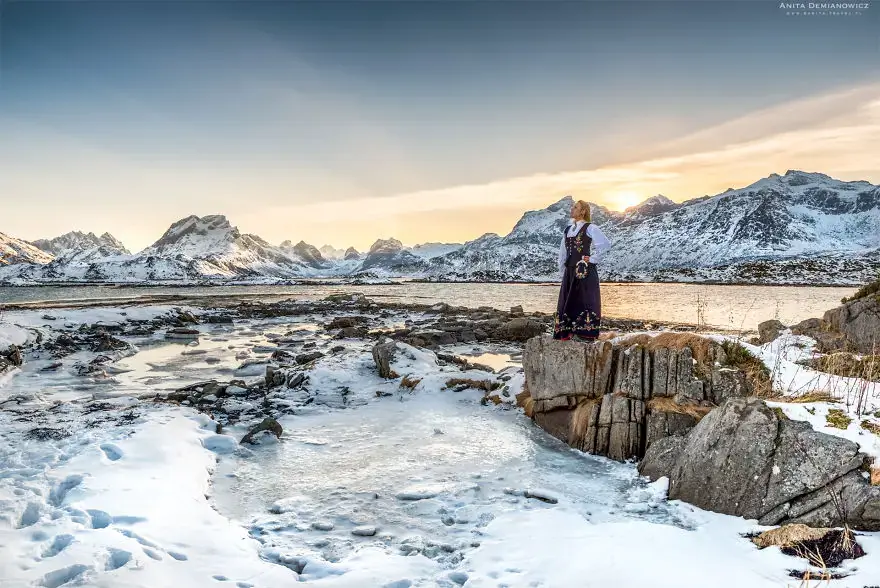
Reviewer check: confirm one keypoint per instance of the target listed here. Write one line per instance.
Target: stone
(808, 327)
(520, 329)
(364, 531)
(268, 424)
(383, 355)
(859, 323)
(566, 368)
(517, 311)
(342, 322)
(769, 330)
(304, 358)
(12, 355)
(182, 333)
(742, 459)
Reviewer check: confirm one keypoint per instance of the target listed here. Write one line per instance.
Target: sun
(626, 198)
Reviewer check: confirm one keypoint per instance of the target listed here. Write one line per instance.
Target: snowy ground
(98, 488)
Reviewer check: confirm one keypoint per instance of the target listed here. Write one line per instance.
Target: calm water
(736, 307)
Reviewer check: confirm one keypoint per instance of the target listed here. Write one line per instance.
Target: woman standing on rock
(579, 311)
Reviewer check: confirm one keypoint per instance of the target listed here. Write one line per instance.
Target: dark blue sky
(383, 98)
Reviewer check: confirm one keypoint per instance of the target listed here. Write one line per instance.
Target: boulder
(618, 399)
(383, 355)
(743, 459)
(517, 311)
(12, 356)
(520, 329)
(859, 322)
(769, 330)
(808, 327)
(269, 425)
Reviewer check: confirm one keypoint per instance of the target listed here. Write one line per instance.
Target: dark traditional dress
(579, 310)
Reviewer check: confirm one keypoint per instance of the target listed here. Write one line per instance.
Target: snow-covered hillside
(76, 243)
(15, 251)
(796, 228)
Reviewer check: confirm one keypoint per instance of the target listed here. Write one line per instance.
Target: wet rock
(769, 330)
(304, 358)
(219, 319)
(182, 333)
(322, 525)
(516, 311)
(352, 333)
(269, 425)
(12, 356)
(342, 322)
(187, 317)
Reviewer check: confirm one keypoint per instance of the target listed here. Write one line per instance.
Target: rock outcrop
(618, 399)
(745, 459)
(10, 358)
(859, 322)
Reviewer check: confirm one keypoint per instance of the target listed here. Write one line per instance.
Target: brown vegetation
(666, 404)
(849, 366)
(487, 385)
(409, 382)
(808, 397)
(864, 291)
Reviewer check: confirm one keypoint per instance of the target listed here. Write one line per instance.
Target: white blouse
(599, 246)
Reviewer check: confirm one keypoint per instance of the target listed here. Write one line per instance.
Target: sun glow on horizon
(623, 199)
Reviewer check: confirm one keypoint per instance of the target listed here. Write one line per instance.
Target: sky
(340, 122)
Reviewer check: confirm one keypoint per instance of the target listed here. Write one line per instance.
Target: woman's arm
(600, 244)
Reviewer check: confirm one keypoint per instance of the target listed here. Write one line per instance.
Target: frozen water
(419, 488)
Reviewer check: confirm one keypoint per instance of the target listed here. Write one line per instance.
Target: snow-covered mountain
(330, 252)
(309, 254)
(388, 257)
(796, 228)
(16, 251)
(77, 243)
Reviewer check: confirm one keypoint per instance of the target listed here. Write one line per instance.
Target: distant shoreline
(398, 282)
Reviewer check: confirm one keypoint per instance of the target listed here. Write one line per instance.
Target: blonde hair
(583, 208)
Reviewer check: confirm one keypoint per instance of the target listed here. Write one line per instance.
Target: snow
(457, 493)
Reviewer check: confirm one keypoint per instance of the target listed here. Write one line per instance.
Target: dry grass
(409, 382)
(703, 349)
(848, 365)
(865, 291)
(524, 400)
(788, 536)
(871, 426)
(837, 418)
(807, 397)
(756, 373)
(486, 385)
(665, 404)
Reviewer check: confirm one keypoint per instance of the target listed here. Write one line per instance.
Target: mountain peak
(76, 242)
(385, 246)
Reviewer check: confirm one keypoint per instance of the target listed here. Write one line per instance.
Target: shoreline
(402, 282)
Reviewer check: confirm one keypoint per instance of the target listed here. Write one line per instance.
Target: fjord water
(731, 307)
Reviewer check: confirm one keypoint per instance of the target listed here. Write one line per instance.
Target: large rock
(859, 322)
(744, 459)
(769, 330)
(616, 400)
(520, 329)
